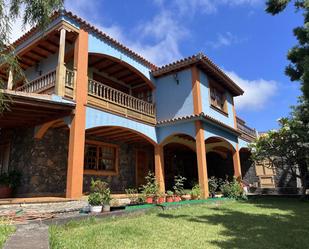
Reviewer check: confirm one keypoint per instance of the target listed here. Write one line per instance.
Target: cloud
(257, 92)
(225, 40)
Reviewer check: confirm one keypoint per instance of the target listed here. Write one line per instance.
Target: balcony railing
(245, 129)
(40, 84)
(120, 99)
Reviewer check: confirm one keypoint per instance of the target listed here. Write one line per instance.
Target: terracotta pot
(5, 191)
(160, 200)
(149, 199)
(177, 198)
(169, 199)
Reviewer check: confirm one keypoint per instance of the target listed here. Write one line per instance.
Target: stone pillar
(10, 81)
(60, 71)
(201, 159)
(159, 167)
(77, 129)
(236, 163)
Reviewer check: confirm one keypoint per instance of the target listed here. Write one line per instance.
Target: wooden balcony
(247, 133)
(110, 99)
(46, 84)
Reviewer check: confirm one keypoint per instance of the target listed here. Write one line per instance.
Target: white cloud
(257, 92)
(225, 40)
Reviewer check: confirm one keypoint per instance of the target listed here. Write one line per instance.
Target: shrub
(98, 186)
(132, 194)
(151, 187)
(179, 185)
(196, 191)
(213, 184)
(95, 199)
(100, 190)
(233, 190)
(169, 193)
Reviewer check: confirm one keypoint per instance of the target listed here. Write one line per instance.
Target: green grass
(5, 230)
(260, 223)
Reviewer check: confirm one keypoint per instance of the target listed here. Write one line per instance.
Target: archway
(219, 156)
(247, 167)
(118, 155)
(180, 159)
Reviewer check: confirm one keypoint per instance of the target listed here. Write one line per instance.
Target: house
(92, 108)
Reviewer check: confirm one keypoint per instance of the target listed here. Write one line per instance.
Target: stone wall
(43, 163)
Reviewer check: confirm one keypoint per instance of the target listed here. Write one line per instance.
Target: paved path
(29, 236)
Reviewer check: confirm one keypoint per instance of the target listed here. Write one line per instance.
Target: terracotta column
(77, 129)
(60, 71)
(236, 163)
(159, 167)
(201, 159)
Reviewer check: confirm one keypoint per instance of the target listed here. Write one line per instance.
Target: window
(100, 158)
(217, 98)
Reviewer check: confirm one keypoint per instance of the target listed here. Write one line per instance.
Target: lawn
(259, 223)
(5, 230)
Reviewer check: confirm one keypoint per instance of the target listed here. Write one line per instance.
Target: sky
(238, 35)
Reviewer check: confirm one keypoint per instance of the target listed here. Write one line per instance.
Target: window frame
(99, 144)
(214, 86)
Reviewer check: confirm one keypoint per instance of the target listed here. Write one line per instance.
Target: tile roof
(92, 28)
(202, 60)
(198, 117)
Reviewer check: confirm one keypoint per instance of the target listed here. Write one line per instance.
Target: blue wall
(99, 45)
(97, 118)
(172, 99)
(206, 103)
(242, 143)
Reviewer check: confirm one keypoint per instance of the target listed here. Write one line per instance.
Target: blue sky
(238, 35)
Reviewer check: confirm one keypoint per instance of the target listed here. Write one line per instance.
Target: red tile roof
(198, 116)
(204, 62)
(92, 28)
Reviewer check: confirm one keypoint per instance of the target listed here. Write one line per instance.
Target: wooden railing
(245, 129)
(40, 84)
(69, 78)
(114, 96)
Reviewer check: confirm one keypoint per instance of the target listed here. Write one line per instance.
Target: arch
(121, 128)
(126, 65)
(175, 134)
(216, 139)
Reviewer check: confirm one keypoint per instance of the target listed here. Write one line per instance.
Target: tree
(298, 69)
(287, 148)
(35, 12)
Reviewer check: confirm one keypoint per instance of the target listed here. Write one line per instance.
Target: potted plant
(106, 198)
(186, 196)
(132, 194)
(160, 198)
(178, 187)
(95, 202)
(195, 192)
(150, 189)
(9, 182)
(213, 184)
(169, 196)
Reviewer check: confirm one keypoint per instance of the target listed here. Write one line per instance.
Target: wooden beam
(52, 51)
(107, 67)
(39, 54)
(97, 62)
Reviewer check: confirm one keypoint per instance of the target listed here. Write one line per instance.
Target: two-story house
(91, 107)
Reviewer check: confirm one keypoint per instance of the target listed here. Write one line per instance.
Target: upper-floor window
(100, 158)
(217, 97)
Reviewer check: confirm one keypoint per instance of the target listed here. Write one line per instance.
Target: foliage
(6, 229)
(132, 194)
(35, 12)
(287, 148)
(196, 191)
(100, 190)
(11, 179)
(179, 185)
(170, 193)
(233, 190)
(95, 199)
(151, 187)
(213, 184)
(298, 70)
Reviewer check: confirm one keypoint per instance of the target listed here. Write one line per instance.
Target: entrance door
(142, 167)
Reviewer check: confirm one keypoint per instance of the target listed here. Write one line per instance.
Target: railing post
(60, 72)
(74, 83)
(10, 81)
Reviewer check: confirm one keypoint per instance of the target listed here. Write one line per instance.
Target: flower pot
(160, 200)
(169, 199)
(177, 198)
(95, 209)
(194, 197)
(186, 197)
(5, 191)
(149, 199)
(106, 208)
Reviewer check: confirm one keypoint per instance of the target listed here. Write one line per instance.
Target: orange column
(201, 159)
(159, 167)
(236, 163)
(77, 130)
